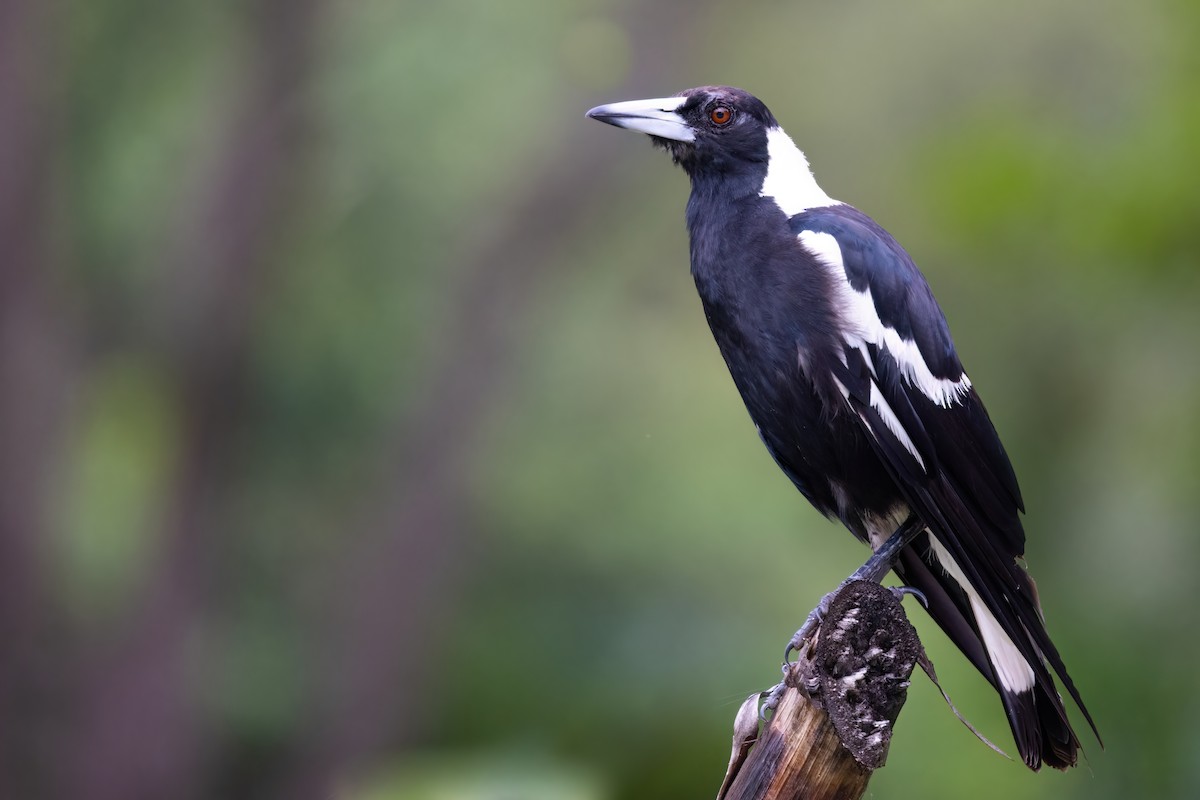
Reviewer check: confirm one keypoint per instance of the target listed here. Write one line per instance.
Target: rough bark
(833, 724)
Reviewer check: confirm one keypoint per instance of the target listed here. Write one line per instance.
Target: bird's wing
(900, 376)
(900, 372)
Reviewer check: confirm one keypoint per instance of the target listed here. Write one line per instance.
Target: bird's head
(710, 129)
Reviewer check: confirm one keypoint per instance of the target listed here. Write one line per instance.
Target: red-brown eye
(720, 115)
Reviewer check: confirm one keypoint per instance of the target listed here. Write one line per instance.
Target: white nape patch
(1012, 669)
(790, 182)
(863, 326)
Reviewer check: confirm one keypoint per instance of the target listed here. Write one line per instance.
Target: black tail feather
(1038, 719)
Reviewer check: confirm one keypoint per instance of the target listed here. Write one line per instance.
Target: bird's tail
(1035, 710)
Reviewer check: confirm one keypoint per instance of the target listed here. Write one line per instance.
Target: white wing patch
(880, 404)
(862, 325)
(882, 407)
(1011, 668)
(790, 182)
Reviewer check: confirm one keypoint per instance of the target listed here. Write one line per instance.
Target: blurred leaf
(114, 492)
(480, 776)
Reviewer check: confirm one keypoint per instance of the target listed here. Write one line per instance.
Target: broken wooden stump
(833, 724)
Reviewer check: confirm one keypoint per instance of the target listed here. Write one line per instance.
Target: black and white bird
(846, 365)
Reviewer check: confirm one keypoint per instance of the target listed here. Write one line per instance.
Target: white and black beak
(657, 117)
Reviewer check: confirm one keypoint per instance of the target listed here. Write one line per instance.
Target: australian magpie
(846, 365)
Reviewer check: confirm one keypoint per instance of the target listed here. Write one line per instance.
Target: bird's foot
(771, 699)
(899, 591)
(809, 686)
(874, 570)
(799, 640)
(810, 626)
(812, 623)
(804, 636)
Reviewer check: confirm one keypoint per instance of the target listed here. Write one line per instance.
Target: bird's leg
(885, 556)
(877, 566)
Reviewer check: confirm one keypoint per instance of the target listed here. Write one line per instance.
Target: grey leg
(877, 566)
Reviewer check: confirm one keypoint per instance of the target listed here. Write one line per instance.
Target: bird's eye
(721, 115)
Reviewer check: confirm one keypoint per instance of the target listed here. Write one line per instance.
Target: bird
(847, 368)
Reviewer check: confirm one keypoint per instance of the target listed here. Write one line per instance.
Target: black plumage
(847, 367)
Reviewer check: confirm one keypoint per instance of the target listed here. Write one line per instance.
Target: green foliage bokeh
(634, 561)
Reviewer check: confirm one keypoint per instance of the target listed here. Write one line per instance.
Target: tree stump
(833, 724)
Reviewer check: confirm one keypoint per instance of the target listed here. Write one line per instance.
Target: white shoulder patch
(862, 325)
(790, 182)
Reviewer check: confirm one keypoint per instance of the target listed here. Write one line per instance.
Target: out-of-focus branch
(140, 734)
(35, 375)
(399, 579)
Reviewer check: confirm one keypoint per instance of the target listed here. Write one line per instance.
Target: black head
(707, 129)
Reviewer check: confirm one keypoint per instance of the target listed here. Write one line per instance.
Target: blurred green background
(361, 435)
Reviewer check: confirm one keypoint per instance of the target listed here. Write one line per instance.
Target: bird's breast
(768, 304)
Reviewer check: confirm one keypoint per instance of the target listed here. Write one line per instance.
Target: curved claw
(811, 624)
(900, 591)
(796, 644)
(772, 700)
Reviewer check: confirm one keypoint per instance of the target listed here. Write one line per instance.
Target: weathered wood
(833, 723)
